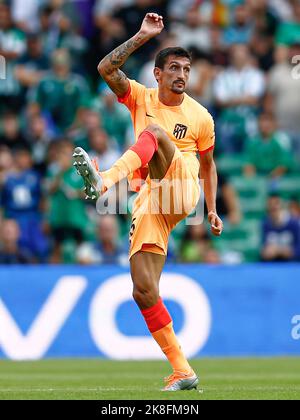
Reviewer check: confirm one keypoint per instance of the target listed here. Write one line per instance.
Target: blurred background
(245, 72)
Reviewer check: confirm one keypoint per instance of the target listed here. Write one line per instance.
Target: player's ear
(157, 73)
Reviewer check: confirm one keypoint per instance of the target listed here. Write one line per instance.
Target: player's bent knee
(153, 128)
(156, 130)
(145, 298)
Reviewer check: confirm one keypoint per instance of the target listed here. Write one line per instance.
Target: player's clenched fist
(152, 25)
(216, 223)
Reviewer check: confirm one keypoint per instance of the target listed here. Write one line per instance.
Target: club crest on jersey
(180, 131)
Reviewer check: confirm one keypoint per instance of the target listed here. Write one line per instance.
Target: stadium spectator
(195, 30)
(33, 63)
(102, 150)
(38, 137)
(263, 49)
(12, 46)
(47, 29)
(238, 90)
(90, 121)
(177, 9)
(241, 31)
(268, 153)
(212, 257)
(196, 246)
(289, 31)
(107, 249)
(284, 95)
(104, 9)
(6, 165)
(281, 234)
(201, 83)
(264, 19)
(191, 32)
(262, 41)
(11, 134)
(218, 53)
(10, 251)
(68, 39)
(116, 120)
(21, 199)
(282, 9)
(26, 13)
(61, 94)
(67, 217)
(294, 208)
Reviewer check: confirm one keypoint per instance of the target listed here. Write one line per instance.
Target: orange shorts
(160, 206)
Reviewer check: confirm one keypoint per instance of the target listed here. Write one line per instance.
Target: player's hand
(215, 223)
(152, 25)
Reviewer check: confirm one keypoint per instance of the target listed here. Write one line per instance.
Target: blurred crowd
(246, 71)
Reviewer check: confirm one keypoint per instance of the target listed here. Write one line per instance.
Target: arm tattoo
(117, 80)
(110, 65)
(118, 57)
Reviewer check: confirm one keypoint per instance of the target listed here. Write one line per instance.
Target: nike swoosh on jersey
(150, 116)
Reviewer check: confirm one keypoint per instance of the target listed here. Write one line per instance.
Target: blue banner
(247, 310)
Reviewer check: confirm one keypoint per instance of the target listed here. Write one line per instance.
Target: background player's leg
(146, 269)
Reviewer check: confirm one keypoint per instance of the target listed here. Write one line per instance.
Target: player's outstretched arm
(210, 178)
(109, 67)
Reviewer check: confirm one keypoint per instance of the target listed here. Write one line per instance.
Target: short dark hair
(161, 58)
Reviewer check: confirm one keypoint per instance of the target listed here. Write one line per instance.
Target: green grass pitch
(107, 380)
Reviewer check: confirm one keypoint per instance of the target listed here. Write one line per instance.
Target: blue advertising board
(69, 311)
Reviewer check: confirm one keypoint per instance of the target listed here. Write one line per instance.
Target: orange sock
(160, 325)
(127, 164)
(168, 342)
(135, 158)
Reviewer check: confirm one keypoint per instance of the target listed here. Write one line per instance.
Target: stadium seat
(243, 238)
(230, 165)
(288, 187)
(252, 194)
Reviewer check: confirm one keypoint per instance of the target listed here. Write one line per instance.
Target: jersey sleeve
(206, 136)
(135, 91)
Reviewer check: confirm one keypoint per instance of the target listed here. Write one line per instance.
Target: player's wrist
(142, 36)
(212, 213)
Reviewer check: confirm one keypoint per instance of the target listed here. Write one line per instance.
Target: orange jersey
(191, 128)
(189, 125)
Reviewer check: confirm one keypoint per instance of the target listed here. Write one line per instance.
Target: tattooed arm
(109, 67)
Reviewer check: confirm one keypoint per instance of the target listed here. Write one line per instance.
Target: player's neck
(170, 99)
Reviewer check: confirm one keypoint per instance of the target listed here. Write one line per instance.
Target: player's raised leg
(153, 147)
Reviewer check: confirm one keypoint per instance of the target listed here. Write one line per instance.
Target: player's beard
(176, 88)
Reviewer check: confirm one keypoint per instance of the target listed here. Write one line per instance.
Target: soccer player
(171, 128)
